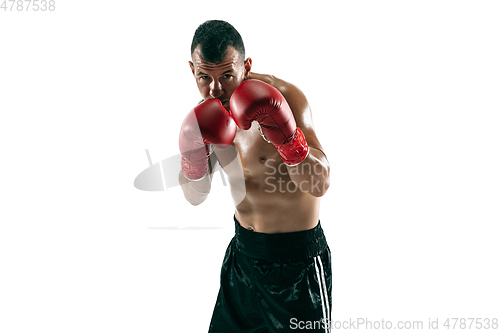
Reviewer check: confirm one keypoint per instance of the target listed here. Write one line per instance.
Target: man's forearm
(312, 175)
(197, 191)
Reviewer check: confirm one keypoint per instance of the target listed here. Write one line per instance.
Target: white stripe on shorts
(323, 292)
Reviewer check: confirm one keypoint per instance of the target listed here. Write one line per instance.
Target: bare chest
(257, 156)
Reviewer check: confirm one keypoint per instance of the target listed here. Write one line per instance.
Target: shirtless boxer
(276, 274)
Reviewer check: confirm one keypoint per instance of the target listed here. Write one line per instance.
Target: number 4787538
(28, 5)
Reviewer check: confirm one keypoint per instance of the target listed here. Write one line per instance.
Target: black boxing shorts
(274, 283)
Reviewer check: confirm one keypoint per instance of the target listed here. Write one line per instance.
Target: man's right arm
(207, 124)
(196, 191)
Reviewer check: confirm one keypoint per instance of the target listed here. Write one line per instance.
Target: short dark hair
(214, 37)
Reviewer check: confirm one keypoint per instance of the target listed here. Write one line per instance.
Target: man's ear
(248, 66)
(192, 67)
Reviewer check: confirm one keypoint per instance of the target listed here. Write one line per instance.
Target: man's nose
(216, 89)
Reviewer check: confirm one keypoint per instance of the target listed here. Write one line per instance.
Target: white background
(405, 100)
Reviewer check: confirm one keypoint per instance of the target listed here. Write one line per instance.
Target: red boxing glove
(208, 123)
(257, 100)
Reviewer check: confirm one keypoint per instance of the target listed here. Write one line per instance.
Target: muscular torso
(266, 198)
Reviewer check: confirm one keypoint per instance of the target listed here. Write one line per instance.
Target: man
(276, 274)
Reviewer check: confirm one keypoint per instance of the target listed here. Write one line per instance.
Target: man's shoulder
(293, 95)
(272, 80)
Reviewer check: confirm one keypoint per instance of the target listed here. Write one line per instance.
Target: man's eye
(227, 76)
(204, 77)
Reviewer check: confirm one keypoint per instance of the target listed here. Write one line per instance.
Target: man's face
(219, 80)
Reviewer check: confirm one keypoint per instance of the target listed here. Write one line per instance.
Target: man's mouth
(225, 103)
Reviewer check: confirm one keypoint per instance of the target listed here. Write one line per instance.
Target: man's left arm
(284, 118)
(312, 175)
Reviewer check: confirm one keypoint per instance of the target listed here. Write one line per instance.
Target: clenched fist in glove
(208, 123)
(257, 100)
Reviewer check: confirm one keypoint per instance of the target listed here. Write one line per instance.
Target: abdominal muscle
(266, 198)
(278, 212)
